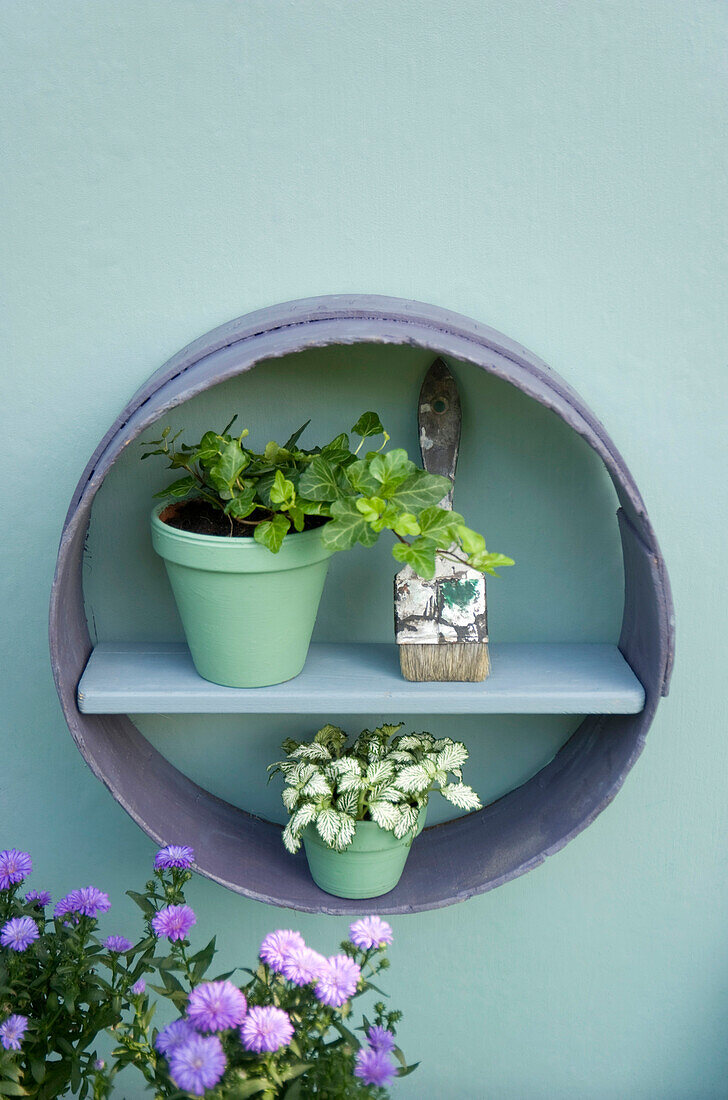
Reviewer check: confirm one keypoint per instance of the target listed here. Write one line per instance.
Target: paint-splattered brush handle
(439, 418)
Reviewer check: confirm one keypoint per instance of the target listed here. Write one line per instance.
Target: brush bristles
(451, 661)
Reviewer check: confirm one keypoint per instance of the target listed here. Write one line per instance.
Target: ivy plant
(384, 776)
(359, 495)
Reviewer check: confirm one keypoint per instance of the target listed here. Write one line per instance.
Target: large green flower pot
(247, 614)
(372, 865)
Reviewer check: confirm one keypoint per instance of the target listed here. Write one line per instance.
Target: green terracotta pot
(247, 614)
(372, 865)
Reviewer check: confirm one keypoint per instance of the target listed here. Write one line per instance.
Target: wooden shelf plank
(159, 678)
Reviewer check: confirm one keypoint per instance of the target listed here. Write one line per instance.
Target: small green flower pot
(247, 614)
(372, 865)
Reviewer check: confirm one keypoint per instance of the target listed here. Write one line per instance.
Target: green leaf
(225, 470)
(347, 527)
(320, 481)
(143, 902)
(391, 469)
(12, 1088)
(209, 448)
(488, 563)
(293, 440)
(439, 524)
(360, 478)
(242, 504)
(420, 555)
(367, 425)
(420, 490)
(178, 489)
(406, 524)
(370, 507)
(271, 532)
(282, 491)
(472, 542)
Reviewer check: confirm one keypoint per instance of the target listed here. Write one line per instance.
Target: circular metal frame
(450, 862)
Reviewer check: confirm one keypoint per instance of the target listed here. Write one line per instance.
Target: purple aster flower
(19, 933)
(370, 932)
(174, 922)
(197, 1064)
(86, 902)
(375, 1067)
(117, 944)
(337, 981)
(12, 1031)
(14, 867)
(302, 965)
(174, 855)
(38, 898)
(266, 1029)
(216, 1006)
(276, 946)
(99, 1064)
(381, 1039)
(139, 987)
(170, 1037)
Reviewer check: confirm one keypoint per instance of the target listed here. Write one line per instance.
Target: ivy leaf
(347, 527)
(421, 490)
(242, 504)
(438, 523)
(391, 469)
(179, 489)
(271, 532)
(225, 470)
(488, 563)
(367, 425)
(471, 541)
(360, 478)
(406, 524)
(420, 554)
(282, 491)
(209, 448)
(319, 481)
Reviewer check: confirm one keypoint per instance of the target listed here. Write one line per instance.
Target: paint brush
(441, 625)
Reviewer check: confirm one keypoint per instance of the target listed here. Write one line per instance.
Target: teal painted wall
(556, 170)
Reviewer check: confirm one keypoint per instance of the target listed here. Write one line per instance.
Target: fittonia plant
(271, 493)
(383, 776)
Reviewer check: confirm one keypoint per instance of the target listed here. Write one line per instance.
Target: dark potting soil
(201, 518)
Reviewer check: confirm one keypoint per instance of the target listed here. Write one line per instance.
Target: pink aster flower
(337, 981)
(38, 898)
(302, 965)
(370, 932)
(14, 867)
(374, 1067)
(276, 946)
(12, 1031)
(381, 1039)
(117, 944)
(197, 1064)
(174, 921)
(266, 1029)
(174, 855)
(19, 933)
(170, 1037)
(87, 902)
(216, 1006)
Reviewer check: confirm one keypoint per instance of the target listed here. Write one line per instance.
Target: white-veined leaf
(408, 816)
(347, 828)
(412, 778)
(379, 772)
(462, 796)
(389, 794)
(317, 786)
(290, 797)
(452, 756)
(385, 814)
(311, 752)
(328, 825)
(348, 802)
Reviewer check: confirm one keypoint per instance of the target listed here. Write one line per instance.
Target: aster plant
(383, 776)
(356, 495)
(283, 1035)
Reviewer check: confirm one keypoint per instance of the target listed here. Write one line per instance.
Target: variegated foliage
(384, 776)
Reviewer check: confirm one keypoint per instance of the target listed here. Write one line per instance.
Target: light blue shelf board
(144, 678)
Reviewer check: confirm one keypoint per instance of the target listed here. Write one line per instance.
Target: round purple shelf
(450, 862)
